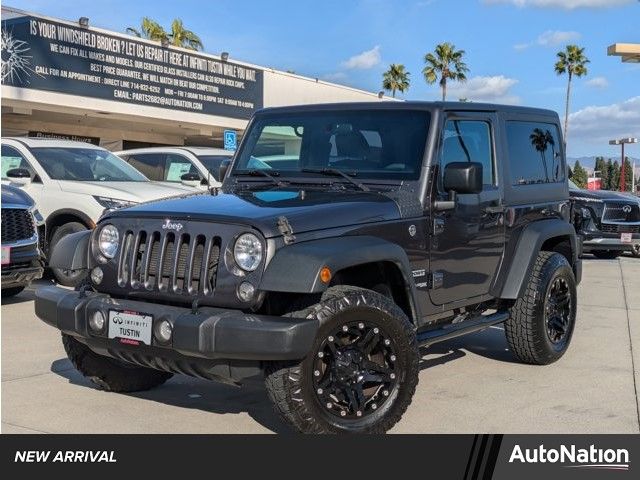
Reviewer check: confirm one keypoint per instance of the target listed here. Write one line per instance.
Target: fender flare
(296, 268)
(82, 217)
(71, 252)
(523, 251)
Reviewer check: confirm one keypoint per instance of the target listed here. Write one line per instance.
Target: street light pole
(622, 143)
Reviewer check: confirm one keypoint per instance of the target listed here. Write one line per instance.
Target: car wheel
(361, 372)
(635, 251)
(542, 321)
(110, 374)
(606, 254)
(68, 278)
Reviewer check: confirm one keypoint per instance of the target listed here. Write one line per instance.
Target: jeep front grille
(17, 224)
(169, 262)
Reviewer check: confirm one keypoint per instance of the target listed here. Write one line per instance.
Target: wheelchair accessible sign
(230, 140)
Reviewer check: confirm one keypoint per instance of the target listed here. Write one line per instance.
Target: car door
(177, 165)
(151, 165)
(468, 241)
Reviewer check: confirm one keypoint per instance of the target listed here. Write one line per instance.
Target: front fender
(522, 252)
(71, 252)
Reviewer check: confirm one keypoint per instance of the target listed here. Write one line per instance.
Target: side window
(151, 165)
(534, 153)
(176, 166)
(12, 158)
(469, 141)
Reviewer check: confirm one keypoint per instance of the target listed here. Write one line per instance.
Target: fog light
(96, 275)
(246, 291)
(96, 321)
(164, 331)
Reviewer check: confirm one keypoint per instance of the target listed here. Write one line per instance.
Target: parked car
(73, 183)
(397, 225)
(608, 222)
(196, 167)
(22, 228)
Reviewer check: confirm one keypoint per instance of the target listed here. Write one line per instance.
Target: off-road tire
(606, 254)
(11, 291)
(526, 327)
(110, 374)
(289, 384)
(66, 277)
(635, 250)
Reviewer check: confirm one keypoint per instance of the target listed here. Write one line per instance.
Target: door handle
(493, 210)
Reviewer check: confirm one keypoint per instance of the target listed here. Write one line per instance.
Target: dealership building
(71, 80)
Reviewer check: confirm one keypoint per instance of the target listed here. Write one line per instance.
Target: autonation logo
(573, 457)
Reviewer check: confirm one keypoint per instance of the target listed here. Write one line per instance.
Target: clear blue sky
(510, 45)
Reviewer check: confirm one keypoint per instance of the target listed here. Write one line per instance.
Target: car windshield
(212, 163)
(85, 164)
(375, 144)
(573, 186)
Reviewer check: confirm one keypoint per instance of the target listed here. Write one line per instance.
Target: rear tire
(542, 321)
(110, 374)
(68, 278)
(365, 385)
(606, 254)
(12, 291)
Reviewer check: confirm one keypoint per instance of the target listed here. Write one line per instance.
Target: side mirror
(190, 179)
(460, 178)
(19, 176)
(224, 166)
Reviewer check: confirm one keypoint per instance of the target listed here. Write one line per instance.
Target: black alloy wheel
(558, 310)
(354, 371)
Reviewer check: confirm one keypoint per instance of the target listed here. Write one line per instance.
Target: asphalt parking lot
(469, 385)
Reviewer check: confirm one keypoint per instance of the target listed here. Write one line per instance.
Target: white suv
(73, 183)
(196, 167)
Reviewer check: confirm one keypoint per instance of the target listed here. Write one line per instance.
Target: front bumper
(20, 277)
(602, 241)
(208, 335)
(25, 267)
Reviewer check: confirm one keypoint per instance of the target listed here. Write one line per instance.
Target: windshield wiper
(337, 173)
(257, 173)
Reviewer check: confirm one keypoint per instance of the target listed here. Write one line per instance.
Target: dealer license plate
(6, 255)
(130, 327)
(626, 237)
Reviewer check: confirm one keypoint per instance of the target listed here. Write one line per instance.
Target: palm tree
(395, 79)
(571, 61)
(149, 29)
(447, 64)
(540, 139)
(179, 36)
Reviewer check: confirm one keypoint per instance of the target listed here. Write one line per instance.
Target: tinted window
(468, 141)
(534, 153)
(150, 164)
(12, 158)
(369, 143)
(85, 164)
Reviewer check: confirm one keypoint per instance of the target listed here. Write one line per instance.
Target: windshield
(85, 164)
(376, 144)
(573, 186)
(212, 163)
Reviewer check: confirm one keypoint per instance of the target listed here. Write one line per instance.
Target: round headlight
(108, 241)
(247, 252)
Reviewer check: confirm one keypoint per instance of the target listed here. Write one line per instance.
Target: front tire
(362, 370)
(110, 374)
(635, 250)
(606, 254)
(542, 321)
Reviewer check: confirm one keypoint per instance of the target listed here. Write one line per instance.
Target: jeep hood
(305, 210)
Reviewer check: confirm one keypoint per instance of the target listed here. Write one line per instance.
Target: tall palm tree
(396, 79)
(447, 64)
(540, 139)
(571, 61)
(178, 36)
(181, 37)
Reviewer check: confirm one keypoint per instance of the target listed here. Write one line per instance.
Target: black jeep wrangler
(607, 222)
(344, 238)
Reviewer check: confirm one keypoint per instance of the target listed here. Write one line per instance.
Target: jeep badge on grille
(169, 225)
